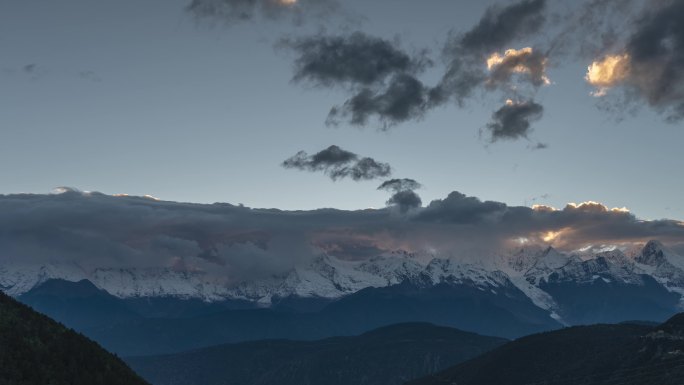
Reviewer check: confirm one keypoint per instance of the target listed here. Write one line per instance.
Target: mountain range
(532, 289)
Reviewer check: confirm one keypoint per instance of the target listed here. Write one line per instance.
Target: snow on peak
(655, 254)
(330, 277)
(392, 268)
(453, 272)
(17, 279)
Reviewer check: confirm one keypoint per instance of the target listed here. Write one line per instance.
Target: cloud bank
(102, 231)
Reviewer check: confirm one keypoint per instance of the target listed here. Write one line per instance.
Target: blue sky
(139, 97)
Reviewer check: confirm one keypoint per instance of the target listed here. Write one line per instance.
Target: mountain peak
(67, 289)
(550, 258)
(653, 254)
(653, 246)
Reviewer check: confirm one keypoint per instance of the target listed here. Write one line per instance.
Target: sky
(229, 101)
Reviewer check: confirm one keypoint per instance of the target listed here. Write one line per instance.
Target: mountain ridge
(604, 354)
(36, 350)
(384, 356)
(546, 276)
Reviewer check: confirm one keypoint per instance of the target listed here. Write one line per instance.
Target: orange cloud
(608, 72)
(519, 61)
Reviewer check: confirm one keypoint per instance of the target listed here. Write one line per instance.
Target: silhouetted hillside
(37, 350)
(386, 356)
(625, 354)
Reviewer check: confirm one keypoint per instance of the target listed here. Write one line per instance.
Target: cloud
(339, 164)
(634, 52)
(459, 208)
(349, 60)
(236, 243)
(568, 228)
(655, 62)
(513, 120)
(383, 79)
(405, 98)
(380, 75)
(538, 146)
(608, 72)
(30, 68)
(405, 200)
(525, 62)
(499, 27)
(234, 11)
(399, 185)
(593, 27)
(404, 197)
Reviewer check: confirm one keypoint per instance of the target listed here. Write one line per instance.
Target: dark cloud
(404, 197)
(101, 231)
(501, 25)
(350, 60)
(458, 208)
(405, 200)
(466, 54)
(399, 185)
(339, 164)
(405, 98)
(634, 47)
(30, 68)
(592, 27)
(656, 58)
(232, 11)
(381, 76)
(539, 146)
(513, 120)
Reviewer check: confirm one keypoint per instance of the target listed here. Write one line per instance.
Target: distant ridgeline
(622, 354)
(35, 350)
(386, 356)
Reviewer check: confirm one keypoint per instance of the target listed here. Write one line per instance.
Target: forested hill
(34, 349)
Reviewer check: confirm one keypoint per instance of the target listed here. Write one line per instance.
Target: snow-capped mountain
(549, 277)
(18, 279)
(663, 265)
(544, 275)
(324, 277)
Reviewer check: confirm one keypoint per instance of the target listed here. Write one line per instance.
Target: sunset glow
(520, 61)
(608, 72)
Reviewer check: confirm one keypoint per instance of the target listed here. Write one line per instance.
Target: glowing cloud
(544, 208)
(551, 236)
(496, 59)
(518, 61)
(608, 72)
(591, 206)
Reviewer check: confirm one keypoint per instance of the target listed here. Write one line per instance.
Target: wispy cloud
(339, 164)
